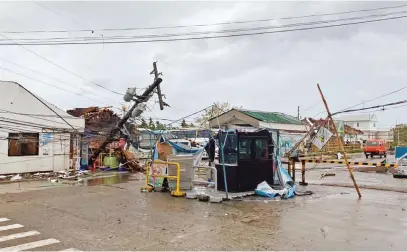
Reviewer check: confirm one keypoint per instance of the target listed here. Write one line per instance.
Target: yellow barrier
(177, 192)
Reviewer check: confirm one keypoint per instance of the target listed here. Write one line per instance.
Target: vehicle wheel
(385, 155)
(380, 156)
(371, 155)
(367, 156)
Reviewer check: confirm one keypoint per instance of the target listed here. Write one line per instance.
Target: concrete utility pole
(139, 99)
(298, 113)
(156, 74)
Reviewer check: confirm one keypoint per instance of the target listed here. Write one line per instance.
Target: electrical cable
(376, 98)
(51, 77)
(372, 107)
(59, 66)
(211, 24)
(73, 39)
(207, 37)
(49, 84)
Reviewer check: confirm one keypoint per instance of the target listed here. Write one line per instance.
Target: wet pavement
(117, 216)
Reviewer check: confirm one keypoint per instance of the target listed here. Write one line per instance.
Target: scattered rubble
(327, 174)
(16, 177)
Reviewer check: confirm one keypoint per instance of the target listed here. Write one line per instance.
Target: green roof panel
(271, 117)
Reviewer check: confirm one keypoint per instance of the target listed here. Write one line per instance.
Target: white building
(368, 123)
(243, 118)
(32, 136)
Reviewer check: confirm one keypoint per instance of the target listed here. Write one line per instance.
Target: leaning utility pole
(340, 142)
(138, 100)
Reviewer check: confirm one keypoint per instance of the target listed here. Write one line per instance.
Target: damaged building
(34, 134)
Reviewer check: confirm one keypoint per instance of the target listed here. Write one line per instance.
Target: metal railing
(215, 171)
(177, 192)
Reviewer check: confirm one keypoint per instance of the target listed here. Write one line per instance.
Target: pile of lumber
(132, 162)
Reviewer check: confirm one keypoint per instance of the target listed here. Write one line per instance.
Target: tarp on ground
(283, 178)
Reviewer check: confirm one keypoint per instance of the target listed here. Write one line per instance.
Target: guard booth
(248, 160)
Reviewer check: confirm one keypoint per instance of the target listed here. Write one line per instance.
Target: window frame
(254, 157)
(32, 138)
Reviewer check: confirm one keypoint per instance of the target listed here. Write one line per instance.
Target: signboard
(340, 126)
(84, 154)
(322, 137)
(46, 144)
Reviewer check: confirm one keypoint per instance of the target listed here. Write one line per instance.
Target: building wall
(53, 155)
(23, 112)
(362, 125)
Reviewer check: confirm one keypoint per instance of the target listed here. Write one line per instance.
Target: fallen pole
(110, 136)
(340, 142)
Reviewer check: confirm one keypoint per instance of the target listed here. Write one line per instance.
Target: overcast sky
(272, 72)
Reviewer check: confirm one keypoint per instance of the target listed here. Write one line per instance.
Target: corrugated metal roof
(271, 117)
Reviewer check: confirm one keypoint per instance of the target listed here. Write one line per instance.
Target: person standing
(210, 150)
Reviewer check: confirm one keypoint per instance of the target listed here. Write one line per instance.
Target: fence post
(289, 166)
(293, 169)
(303, 173)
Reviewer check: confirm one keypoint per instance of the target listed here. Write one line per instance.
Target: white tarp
(322, 137)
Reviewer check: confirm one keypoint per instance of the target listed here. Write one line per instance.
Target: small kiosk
(247, 159)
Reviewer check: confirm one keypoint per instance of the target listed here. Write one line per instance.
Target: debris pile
(132, 162)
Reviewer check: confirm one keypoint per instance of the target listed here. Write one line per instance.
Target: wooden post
(289, 166)
(293, 169)
(340, 142)
(303, 173)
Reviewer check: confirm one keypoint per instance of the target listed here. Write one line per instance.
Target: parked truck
(375, 147)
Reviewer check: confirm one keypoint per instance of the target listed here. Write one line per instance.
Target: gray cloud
(276, 72)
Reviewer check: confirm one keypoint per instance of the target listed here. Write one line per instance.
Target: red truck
(375, 147)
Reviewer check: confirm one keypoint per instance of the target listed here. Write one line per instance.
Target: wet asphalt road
(120, 217)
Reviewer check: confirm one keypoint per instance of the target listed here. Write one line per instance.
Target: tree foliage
(400, 135)
(159, 126)
(151, 124)
(144, 124)
(217, 109)
(184, 124)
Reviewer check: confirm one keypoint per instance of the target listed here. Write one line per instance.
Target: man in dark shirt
(210, 149)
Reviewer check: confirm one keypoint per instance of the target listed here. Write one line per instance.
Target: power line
(63, 89)
(209, 37)
(87, 39)
(211, 24)
(49, 76)
(376, 98)
(372, 107)
(58, 14)
(312, 106)
(61, 67)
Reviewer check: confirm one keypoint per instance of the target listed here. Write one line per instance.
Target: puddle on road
(107, 180)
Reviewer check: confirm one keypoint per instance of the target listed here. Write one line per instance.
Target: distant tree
(217, 109)
(184, 124)
(400, 135)
(144, 124)
(151, 124)
(159, 126)
(192, 125)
